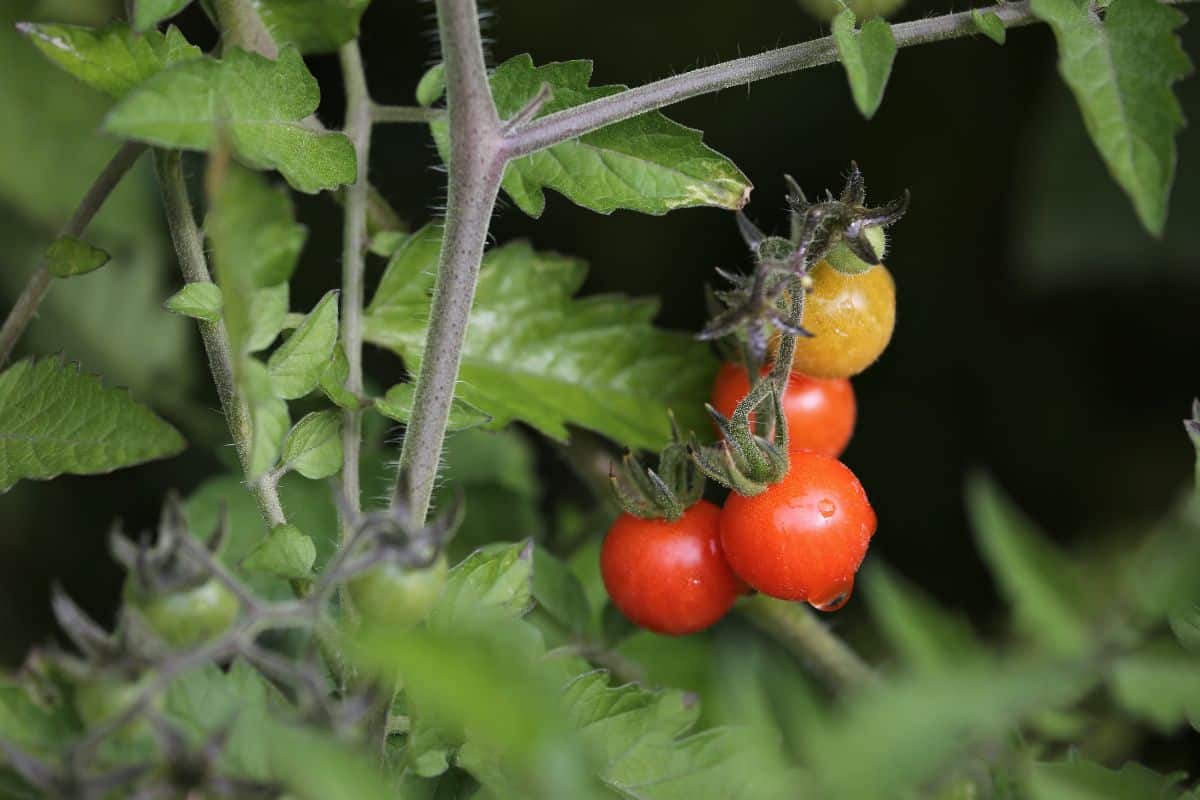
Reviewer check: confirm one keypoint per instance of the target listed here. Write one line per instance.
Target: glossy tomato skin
(820, 412)
(188, 617)
(804, 537)
(669, 576)
(851, 318)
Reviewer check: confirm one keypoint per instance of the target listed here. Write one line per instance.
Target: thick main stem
(354, 243)
(573, 122)
(24, 310)
(189, 248)
(476, 166)
(798, 629)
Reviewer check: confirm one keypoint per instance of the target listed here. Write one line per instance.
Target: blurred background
(1042, 335)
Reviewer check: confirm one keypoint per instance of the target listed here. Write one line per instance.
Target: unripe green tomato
(188, 617)
(98, 700)
(397, 597)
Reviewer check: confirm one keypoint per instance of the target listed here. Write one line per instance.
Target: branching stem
(799, 630)
(27, 304)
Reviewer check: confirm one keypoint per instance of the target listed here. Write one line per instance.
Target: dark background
(1042, 335)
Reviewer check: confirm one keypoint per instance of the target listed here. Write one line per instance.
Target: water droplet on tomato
(827, 508)
(833, 603)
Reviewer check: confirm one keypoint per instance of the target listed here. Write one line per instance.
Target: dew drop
(827, 508)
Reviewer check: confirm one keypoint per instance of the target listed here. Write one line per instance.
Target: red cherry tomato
(804, 537)
(669, 575)
(820, 412)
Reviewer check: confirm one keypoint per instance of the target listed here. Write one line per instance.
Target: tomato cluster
(804, 537)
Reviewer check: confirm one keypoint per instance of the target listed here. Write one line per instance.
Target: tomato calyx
(174, 562)
(665, 493)
(756, 304)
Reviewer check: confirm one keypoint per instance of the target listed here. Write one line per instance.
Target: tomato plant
(414, 542)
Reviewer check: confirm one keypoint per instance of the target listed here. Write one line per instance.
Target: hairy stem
(476, 166)
(25, 309)
(573, 122)
(386, 114)
(354, 243)
(189, 247)
(798, 629)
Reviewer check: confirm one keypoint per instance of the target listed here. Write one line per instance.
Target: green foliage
(268, 310)
(432, 85)
(397, 404)
(826, 10)
(269, 418)
(867, 55)
(297, 365)
(1160, 684)
(1121, 70)
(989, 25)
(535, 354)
(256, 105)
(647, 163)
(1041, 583)
(333, 380)
(54, 418)
(286, 553)
(314, 446)
(313, 26)
(68, 256)
(148, 13)
(265, 235)
(196, 300)
(113, 60)
(1083, 780)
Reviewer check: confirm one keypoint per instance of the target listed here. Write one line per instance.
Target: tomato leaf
(1121, 70)
(313, 26)
(148, 13)
(268, 309)
(1048, 595)
(397, 404)
(54, 418)
(314, 446)
(286, 553)
(1085, 780)
(197, 300)
(867, 55)
(647, 163)
(297, 366)
(259, 105)
(68, 256)
(535, 354)
(1159, 683)
(113, 60)
(989, 24)
(269, 418)
(432, 85)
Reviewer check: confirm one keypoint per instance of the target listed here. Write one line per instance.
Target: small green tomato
(188, 617)
(396, 597)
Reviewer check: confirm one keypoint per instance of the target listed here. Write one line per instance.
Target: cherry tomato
(669, 575)
(851, 318)
(820, 412)
(804, 537)
(188, 617)
(398, 597)
(100, 699)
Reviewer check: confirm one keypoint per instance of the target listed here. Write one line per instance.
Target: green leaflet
(297, 365)
(432, 85)
(268, 309)
(55, 418)
(314, 446)
(113, 60)
(397, 404)
(264, 236)
(1042, 584)
(285, 553)
(989, 25)
(258, 105)
(647, 163)
(68, 256)
(148, 13)
(269, 418)
(1159, 684)
(535, 354)
(313, 26)
(1084, 780)
(867, 55)
(1121, 70)
(197, 300)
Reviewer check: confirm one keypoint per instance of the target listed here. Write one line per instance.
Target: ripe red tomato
(804, 537)
(669, 575)
(820, 412)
